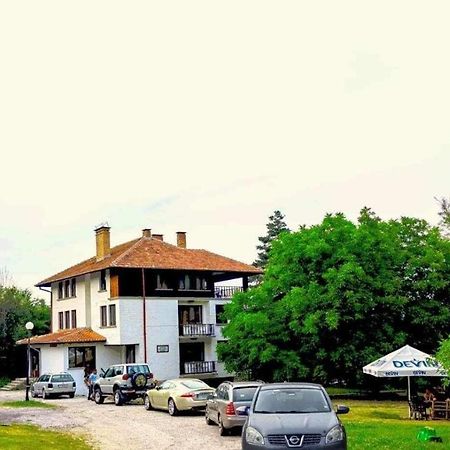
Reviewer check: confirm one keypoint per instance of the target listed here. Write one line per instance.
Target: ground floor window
(130, 354)
(81, 357)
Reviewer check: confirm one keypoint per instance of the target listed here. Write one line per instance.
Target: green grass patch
(20, 437)
(386, 426)
(24, 404)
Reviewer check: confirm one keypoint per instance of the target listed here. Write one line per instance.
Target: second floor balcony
(226, 291)
(197, 329)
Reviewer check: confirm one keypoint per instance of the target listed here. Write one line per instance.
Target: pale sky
(205, 116)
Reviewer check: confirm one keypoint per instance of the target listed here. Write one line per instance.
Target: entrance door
(130, 356)
(189, 352)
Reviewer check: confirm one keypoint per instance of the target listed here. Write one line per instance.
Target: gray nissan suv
(292, 415)
(124, 382)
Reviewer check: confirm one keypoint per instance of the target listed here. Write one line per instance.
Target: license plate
(202, 396)
(60, 385)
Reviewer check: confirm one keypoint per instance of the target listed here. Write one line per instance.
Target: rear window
(65, 377)
(138, 368)
(244, 394)
(195, 384)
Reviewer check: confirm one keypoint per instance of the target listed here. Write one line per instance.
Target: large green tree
(17, 307)
(337, 295)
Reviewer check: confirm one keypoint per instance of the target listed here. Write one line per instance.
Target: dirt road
(110, 427)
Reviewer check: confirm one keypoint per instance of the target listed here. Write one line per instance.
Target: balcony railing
(197, 329)
(197, 367)
(226, 291)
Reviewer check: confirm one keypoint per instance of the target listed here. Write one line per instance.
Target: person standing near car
(93, 377)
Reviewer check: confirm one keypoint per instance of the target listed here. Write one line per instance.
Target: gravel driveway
(130, 426)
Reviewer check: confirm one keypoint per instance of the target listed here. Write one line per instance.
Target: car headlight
(334, 435)
(253, 436)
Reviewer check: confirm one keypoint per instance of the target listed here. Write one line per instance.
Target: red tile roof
(151, 253)
(66, 336)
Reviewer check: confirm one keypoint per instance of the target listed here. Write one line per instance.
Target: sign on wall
(162, 349)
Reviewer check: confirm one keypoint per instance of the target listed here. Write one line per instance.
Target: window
(60, 289)
(162, 281)
(102, 284)
(220, 319)
(61, 320)
(61, 378)
(81, 357)
(67, 288)
(74, 318)
(67, 319)
(189, 314)
(201, 284)
(73, 287)
(103, 318)
(130, 354)
(112, 315)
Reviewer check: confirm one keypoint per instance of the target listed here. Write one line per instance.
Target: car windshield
(291, 400)
(137, 368)
(62, 378)
(244, 394)
(195, 384)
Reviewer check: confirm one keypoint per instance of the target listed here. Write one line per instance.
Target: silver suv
(221, 407)
(53, 385)
(124, 382)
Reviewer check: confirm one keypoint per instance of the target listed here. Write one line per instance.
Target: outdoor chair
(417, 409)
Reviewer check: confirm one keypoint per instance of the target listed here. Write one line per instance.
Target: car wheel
(173, 411)
(208, 420)
(34, 393)
(147, 403)
(222, 430)
(98, 397)
(118, 398)
(72, 395)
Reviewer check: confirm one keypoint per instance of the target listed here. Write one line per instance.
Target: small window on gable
(60, 289)
(102, 284)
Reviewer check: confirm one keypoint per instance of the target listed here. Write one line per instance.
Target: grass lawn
(385, 426)
(20, 437)
(24, 404)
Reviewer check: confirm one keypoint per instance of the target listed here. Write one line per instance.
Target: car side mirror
(341, 409)
(242, 410)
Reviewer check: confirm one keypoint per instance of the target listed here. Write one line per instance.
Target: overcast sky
(205, 116)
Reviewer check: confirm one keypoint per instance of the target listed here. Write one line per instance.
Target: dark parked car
(221, 408)
(292, 415)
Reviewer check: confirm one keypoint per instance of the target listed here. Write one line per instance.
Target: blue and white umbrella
(405, 362)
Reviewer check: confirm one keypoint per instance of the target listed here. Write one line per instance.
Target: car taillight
(188, 395)
(74, 384)
(125, 376)
(229, 410)
(50, 385)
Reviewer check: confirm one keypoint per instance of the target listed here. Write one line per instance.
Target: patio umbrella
(405, 362)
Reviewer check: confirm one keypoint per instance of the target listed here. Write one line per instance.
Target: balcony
(198, 367)
(226, 291)
(197, 329)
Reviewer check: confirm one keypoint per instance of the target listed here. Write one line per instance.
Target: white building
(141, 301)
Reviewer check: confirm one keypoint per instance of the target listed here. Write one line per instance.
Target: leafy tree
(337, 295)
(275, 227)
(17, 307)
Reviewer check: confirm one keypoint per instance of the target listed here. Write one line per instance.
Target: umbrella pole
(409, 389)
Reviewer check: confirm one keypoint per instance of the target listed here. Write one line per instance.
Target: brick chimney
(181, 239)
(160, 237)
(102, 242)
(147, 232)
